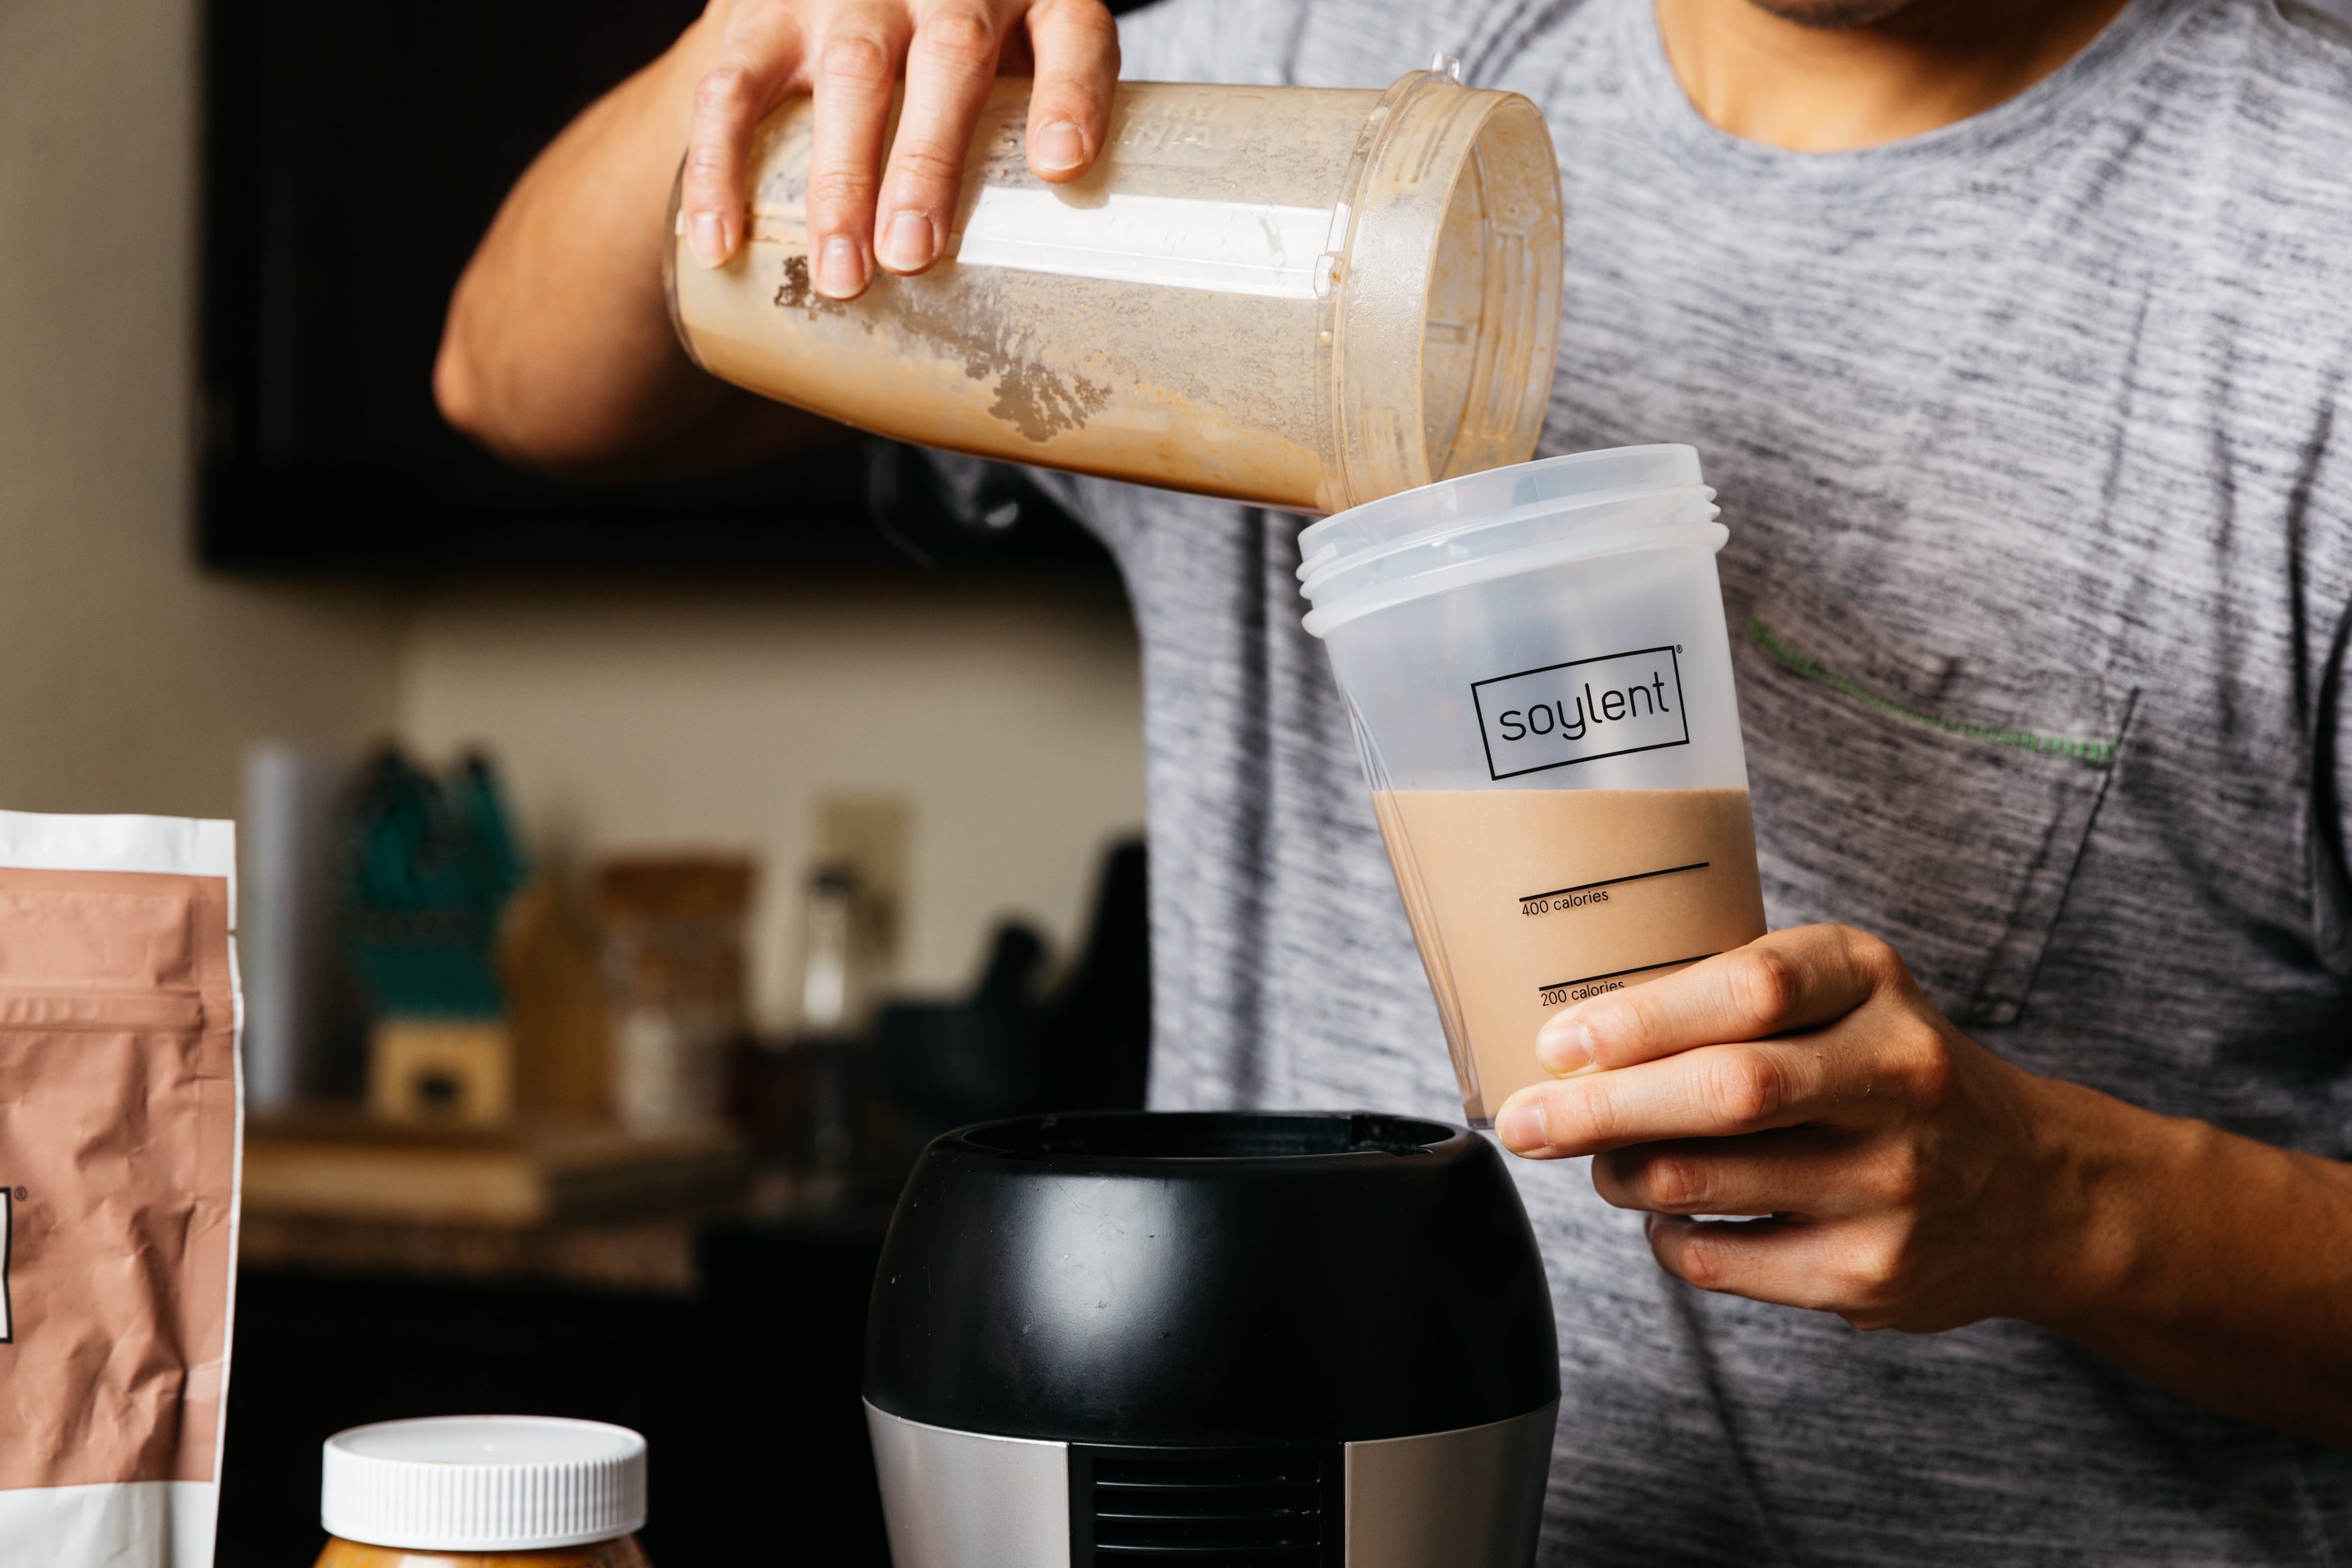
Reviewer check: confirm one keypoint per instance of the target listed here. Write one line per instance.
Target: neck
(1832, 88)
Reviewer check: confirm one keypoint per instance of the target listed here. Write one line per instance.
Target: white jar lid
(483, 1483)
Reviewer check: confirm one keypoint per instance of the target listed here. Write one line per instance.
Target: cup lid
(1570, 480)
(483, 1483)
(1502, 520)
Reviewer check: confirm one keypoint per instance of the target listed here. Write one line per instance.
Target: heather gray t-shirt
(2023, 426)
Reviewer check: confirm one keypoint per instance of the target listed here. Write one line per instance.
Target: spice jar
(674, 977)
(476, 1492)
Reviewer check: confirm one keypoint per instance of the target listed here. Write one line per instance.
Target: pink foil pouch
(119, 1138)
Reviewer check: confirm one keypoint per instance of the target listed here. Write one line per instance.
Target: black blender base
(1219, 1339)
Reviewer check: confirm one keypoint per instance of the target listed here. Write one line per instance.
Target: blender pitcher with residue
(1303, 298)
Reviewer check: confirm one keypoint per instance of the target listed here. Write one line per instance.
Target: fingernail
(1521, 1126)
(1564, 1044)
(840, 270)
(906, 243)
(708, 237)
(1058, 146)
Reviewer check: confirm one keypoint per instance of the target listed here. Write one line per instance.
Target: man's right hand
(850, 54)
(580, 238)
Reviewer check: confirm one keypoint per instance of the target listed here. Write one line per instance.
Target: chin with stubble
(1829, 14)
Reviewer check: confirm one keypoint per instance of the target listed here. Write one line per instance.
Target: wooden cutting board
(332, 1163)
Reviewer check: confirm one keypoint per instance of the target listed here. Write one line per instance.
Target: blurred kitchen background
(631, 878)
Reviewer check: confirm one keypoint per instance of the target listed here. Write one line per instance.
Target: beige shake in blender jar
(1300, 297)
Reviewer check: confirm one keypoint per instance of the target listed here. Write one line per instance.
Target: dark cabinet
(354, 154)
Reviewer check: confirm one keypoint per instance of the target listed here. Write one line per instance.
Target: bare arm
(1905, 1177)
(557, 353)
(2213, 1265)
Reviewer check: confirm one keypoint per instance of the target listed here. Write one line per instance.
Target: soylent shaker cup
(1302, 297)
(1535, 664)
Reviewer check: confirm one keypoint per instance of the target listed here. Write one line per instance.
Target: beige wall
(127, 682)
(1006, 714)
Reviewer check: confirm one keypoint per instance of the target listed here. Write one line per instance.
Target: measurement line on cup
(1617, 973)
(1612, 882)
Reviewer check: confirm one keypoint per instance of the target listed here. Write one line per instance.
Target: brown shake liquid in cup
(1537, 665)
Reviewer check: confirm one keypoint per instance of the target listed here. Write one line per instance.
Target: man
(2014, 335)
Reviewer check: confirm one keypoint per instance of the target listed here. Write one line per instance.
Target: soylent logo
(1582, 710)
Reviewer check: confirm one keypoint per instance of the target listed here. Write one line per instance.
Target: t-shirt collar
(2046, 111)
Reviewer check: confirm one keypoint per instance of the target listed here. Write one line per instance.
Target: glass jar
(1306, 298)
(674, 977)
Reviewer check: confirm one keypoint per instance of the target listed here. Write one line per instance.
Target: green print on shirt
(1788, 658)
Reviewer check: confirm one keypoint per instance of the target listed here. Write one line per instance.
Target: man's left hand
(1896, 1173)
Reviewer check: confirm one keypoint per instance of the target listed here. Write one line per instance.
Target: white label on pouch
(1169, 242)
(1587, 708)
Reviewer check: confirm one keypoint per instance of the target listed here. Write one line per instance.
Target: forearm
(2213, 1265)
(558, 352)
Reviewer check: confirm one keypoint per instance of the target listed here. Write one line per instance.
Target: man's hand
(850, 54)
(1902, 1177)
(581, 237)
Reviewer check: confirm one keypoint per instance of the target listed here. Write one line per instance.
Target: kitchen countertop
(643, 1254)
(651, 1255)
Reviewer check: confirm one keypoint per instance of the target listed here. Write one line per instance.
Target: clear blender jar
(1303, 298)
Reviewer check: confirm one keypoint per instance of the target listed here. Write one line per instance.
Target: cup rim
(1324, 619)
(1312, 538)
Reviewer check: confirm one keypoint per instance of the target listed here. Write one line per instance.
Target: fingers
(1871, 1067)
(1786, 980)
(1861, 1269)
(951, 50)
(1763, 1259)
(1713, 1091)
(950, 66)
(763, 54)
(853, 76)
(1076, 45)
(1815, 1173)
